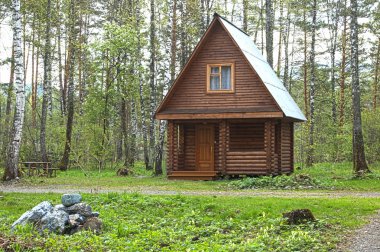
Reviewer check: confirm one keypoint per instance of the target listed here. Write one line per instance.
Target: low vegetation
(298, 181)
(174, 223)
(324, 176)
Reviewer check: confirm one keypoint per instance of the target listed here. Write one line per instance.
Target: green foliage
(299, 181)
(371, 130)
(175, 223)
(322, 176)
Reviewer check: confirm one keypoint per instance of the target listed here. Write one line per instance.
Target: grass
(339, 176)
(330, 176)
(136, 222)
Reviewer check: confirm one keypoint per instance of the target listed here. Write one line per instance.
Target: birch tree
(13, 150)
(47, 83)
(269, 31)
(310, 155)
(152, 73)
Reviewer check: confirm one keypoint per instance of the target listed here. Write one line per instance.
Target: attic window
(220, 78)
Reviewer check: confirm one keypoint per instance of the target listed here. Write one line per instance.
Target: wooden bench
(35, 168)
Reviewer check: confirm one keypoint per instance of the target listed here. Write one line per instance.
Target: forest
(92, 72)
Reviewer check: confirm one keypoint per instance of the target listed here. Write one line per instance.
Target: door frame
(212, 127)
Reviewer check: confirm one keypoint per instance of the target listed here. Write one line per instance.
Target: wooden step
(192, 175)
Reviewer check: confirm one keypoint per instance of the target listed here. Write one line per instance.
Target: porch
(204, 150)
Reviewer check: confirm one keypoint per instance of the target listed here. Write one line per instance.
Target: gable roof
(258, 64)
(264, 70)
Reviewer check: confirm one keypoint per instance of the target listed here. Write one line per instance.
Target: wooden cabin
(227, 111)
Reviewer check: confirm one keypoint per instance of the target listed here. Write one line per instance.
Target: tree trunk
(262, 25)
(333, 23)
(343, 68)
(160, 148)
(286, 49)
(310, 154)
(143, 106)
(359, 162)
(47, 84)
(245, 16)
(173, 60)
(13, 151)
(281, 20)
(70, 92)
(62, 100)
(305, 92)
(376, 80)
(34, 90)
(153, 96)
(269, 31)
(123, 124)
(173, 48)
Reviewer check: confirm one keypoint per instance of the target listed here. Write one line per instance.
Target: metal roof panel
(265, 72)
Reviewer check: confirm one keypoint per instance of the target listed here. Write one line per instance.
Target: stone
(95, 214)
(80, 208)
(299, 216)
(59, 207)
(54, 221)
(76, 219)
(34, 215)
(71, 199)
(93, 224)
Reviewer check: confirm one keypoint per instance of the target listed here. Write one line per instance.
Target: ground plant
(323, 176)
(136, 222)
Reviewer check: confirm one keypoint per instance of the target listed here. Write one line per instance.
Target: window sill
(220, 91)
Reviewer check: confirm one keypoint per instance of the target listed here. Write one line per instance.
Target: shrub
(299, 181)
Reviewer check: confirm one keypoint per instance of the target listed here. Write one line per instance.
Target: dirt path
(365, 239)
(157, 191)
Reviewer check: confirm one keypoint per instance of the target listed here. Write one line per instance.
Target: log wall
(287, 147)
(273, 156)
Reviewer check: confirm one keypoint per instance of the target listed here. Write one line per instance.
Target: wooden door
(204, 145)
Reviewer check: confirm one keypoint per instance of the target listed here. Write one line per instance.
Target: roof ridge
(225, 19)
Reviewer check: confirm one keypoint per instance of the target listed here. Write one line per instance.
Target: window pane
(214, 82)
(226, 77)
(214, 70)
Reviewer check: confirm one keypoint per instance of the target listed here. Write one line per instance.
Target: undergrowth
(298, 181)
(134, 222)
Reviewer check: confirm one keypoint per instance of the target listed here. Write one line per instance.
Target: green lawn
(193, 223)
(332, 176)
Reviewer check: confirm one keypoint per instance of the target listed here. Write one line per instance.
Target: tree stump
(299, 216)
(122, 172)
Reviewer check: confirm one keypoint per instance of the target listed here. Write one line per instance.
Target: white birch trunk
(269, 31)
(13, 151)
(310, 154)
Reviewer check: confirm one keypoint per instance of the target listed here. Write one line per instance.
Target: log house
(227, 111)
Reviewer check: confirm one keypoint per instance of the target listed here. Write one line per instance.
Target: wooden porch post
(222, 146)
(169, 162)
(268, 145)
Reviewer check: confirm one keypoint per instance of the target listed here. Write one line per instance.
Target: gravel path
(156, 191)
(366, 239)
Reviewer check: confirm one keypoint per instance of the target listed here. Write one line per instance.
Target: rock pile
(71, 216)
